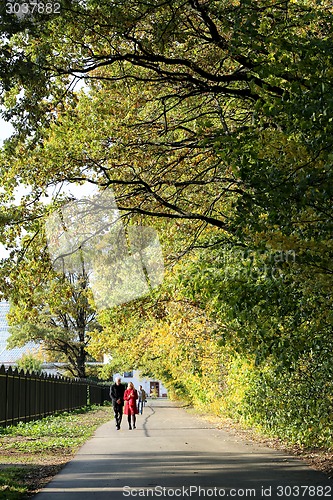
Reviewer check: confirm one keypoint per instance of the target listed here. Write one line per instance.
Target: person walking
(142, 399)
(131, 410)
(117, 391)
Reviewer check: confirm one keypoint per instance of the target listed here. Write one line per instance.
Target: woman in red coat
(130, 397)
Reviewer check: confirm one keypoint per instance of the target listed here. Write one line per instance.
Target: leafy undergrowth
(32, 453)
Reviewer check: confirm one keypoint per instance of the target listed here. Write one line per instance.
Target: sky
(5, 130)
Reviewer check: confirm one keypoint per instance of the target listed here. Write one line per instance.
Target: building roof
(11, 355)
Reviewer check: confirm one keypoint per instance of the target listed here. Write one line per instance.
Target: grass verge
(32, 453)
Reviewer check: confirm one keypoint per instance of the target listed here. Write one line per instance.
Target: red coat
(130, 397)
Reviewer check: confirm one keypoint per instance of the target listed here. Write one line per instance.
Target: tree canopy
(215, 112)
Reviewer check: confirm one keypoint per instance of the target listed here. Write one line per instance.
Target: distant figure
(154, 393)
(117, 391)
(131, 410)
(142, 399)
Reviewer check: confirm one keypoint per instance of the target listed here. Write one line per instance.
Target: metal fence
(29, 396)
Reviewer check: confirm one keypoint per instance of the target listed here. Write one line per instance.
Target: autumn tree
(30, 362)
(212, 112)
(51, 308)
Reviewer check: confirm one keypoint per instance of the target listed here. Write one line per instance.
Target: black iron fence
(29, 396)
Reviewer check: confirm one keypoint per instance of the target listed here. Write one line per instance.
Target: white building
(150, 386)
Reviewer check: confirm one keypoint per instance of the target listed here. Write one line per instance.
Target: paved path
(174, 454)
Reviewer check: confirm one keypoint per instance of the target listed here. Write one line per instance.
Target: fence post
(31, 379)
(3, 393)
(16, 397)
(9, 416)
(22, 396)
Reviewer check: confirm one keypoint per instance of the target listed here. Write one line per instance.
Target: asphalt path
(174, 454)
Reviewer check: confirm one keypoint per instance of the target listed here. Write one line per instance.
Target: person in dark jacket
(142, 399)
(117, 396)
